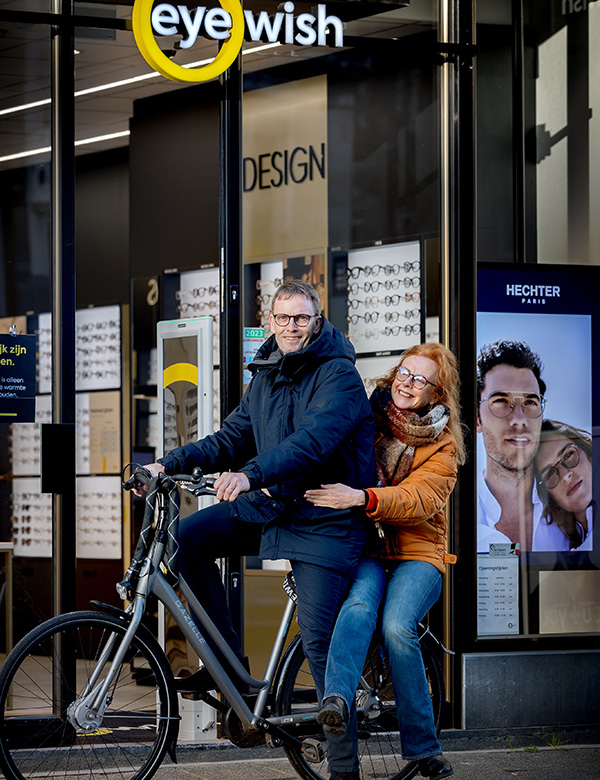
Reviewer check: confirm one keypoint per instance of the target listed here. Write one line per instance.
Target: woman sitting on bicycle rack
(418, 445)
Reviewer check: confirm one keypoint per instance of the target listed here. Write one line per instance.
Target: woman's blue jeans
(412, 589)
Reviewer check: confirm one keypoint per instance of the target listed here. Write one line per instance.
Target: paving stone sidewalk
(569, 762)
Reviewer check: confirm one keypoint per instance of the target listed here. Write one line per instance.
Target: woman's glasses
(568, 460)
(416, 380)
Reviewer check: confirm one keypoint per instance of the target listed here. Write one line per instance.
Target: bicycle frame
(250, 718)
(87, 711)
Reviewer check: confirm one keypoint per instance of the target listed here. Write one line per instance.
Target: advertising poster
(17, 378)
(537, 344)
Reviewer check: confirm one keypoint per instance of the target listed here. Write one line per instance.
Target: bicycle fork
(86, 713)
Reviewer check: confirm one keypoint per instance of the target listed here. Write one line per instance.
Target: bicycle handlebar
(195, 483)
(141, 477)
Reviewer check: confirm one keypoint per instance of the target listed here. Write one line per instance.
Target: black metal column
(579, 115)
(518, 126)
(459, 303)
(58, 441)
(230, 244)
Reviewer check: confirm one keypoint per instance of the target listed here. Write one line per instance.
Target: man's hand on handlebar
(230, 484)
(155, 469)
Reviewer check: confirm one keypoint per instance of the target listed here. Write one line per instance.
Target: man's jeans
(412, 589)
(214, 533)
(205, 536)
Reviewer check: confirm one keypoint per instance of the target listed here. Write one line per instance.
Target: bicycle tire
(379, 746)
(140, 721)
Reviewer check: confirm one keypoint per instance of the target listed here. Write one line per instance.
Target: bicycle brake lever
(204, 489)
(202, 486)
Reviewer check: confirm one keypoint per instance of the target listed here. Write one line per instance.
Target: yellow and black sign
(17, 378)
(227, 25)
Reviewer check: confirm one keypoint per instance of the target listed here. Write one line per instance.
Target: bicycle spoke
(140, 713)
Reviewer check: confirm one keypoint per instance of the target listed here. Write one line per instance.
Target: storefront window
(567, 133)
(25, 228)
(537, 552)
(342, 201)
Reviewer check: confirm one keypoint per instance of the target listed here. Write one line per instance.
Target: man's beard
(519, 464)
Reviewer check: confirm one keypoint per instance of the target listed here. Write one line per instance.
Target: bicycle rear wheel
(379, 746)
(49, 669)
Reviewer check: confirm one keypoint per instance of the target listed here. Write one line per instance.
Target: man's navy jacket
(303, 421)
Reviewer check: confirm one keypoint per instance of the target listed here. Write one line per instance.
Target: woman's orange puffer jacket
(413, 513)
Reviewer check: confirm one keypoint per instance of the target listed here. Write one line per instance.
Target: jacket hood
(329, 344)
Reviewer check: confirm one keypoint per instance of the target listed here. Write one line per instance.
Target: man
(304, 419)
(510, 404)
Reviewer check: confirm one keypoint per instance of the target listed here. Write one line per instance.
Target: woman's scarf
(399, 433)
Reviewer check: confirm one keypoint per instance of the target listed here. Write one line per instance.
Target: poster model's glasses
(502, 404)
(568, 460)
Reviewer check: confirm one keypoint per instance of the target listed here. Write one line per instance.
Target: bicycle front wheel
(379, 745)
(49, 670)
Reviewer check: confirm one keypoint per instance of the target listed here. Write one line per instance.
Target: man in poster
(510, 405)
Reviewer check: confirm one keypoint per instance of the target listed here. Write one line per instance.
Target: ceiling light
(98, 138)
(82, 142)
(25, 107)
(125, 82)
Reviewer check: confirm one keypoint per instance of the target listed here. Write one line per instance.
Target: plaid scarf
(400, 432)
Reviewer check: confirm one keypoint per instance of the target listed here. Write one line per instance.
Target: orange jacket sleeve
(426, 489)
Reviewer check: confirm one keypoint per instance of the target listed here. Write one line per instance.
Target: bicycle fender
(150, 639)
(102, 607)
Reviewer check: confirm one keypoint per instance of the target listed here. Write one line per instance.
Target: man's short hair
(509, 353)
(297, 287)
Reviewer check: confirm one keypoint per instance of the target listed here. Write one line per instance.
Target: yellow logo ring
(144, 37)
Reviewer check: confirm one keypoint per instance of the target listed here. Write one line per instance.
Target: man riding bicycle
(303, 421)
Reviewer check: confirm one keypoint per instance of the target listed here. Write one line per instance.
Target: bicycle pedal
(313, 750)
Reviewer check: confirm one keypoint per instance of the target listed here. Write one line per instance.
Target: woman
(418, 444)
(563, 467)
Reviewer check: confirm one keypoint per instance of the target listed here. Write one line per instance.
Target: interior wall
(25, 240)
(174, 181)
(383, 150)
(102, 228)
(495, 227)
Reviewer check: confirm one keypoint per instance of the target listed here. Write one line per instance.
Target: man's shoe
(435, 767)
(344, 776)
(333, 716)
(199, 682)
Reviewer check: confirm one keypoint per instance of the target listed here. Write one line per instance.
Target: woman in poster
(563, 467)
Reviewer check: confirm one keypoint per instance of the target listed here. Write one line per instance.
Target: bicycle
(93, 691)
